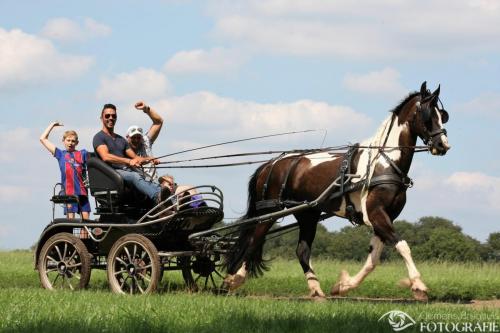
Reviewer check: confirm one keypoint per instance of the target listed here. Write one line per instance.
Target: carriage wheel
(64, 263)
(201, 272)
(133, 265)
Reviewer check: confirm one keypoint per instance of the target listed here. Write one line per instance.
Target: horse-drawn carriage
(134, 239)
(365, 183)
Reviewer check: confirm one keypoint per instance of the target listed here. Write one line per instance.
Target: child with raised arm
(72, 164)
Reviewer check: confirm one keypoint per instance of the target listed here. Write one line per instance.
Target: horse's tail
(255, 264)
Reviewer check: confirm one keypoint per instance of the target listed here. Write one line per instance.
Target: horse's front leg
(346, 282)
(418, 288)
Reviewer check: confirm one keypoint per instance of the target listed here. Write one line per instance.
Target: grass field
(26, 307)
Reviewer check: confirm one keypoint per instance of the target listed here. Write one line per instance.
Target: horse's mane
(398, 108)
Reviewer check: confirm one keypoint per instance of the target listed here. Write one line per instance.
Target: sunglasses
(110, 115)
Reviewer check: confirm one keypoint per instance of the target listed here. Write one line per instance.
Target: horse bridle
(427, 136)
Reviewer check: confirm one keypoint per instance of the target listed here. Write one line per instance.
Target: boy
(72, 164)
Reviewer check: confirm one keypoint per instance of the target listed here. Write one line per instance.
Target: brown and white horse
(375, 196)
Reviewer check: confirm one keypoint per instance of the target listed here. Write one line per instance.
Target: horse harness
(343, 182)
(273, 203)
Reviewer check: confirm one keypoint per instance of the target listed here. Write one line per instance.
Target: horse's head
(429, 119)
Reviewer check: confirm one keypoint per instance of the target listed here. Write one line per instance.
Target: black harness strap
(264, 188)
(292, 166)
(345, 167)
(273, 203)
(401, 177)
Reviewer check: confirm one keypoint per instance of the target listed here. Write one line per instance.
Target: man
(142, 143)
(115, 150)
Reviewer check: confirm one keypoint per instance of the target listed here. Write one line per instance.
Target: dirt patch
(481, 304)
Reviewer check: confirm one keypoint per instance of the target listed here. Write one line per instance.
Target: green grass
(26, 307)
(446, 281)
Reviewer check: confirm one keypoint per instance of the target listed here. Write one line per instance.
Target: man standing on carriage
(115, 150)
(142, 143)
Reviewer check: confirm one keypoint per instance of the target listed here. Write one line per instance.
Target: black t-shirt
(117, 145)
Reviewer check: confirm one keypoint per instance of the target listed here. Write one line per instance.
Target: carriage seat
(104, 182)
(110, 190)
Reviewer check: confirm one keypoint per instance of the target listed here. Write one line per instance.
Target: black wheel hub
(62, 268)
(203, 266)
(131, 269)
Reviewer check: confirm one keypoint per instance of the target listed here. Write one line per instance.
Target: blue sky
(224, 70)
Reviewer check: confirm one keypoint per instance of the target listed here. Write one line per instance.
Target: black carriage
(134, 239)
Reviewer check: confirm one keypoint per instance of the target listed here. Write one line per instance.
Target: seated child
(72, 164)
(182, 190)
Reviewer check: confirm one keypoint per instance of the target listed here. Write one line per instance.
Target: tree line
(430, 238)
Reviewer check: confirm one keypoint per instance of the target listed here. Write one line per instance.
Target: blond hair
(70, 133)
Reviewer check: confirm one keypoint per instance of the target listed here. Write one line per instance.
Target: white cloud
(302, 37)
(466, 181)
(142, 83)
(64, 29)
(470, 199)
(225, 115)
(477, 185)
(384, 29)
(96, 29)
(385, 81)
(26, 59)
(216, 60)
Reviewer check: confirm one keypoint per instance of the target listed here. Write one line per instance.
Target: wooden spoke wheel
(201, 272)
(64, 263)
(133, 265)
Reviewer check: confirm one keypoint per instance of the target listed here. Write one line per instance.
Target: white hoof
(342, 287)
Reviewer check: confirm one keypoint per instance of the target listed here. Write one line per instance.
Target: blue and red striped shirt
(72, 166)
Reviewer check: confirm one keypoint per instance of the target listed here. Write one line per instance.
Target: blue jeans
(152, 190)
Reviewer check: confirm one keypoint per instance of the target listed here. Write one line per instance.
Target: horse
(369, 183)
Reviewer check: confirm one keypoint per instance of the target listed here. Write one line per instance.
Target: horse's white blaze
(440, 120)
(319, 158)
(444, 138)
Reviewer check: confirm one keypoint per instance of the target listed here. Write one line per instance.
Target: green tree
(350, 243)
(430, 238)
(492, 247)
(446, 244)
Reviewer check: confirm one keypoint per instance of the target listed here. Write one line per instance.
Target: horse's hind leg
(250, 258)
(346, 282)
(307, 232)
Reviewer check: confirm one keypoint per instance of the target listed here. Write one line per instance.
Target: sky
(226, 70)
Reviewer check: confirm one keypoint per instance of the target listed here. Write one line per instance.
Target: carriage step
(64, 199)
